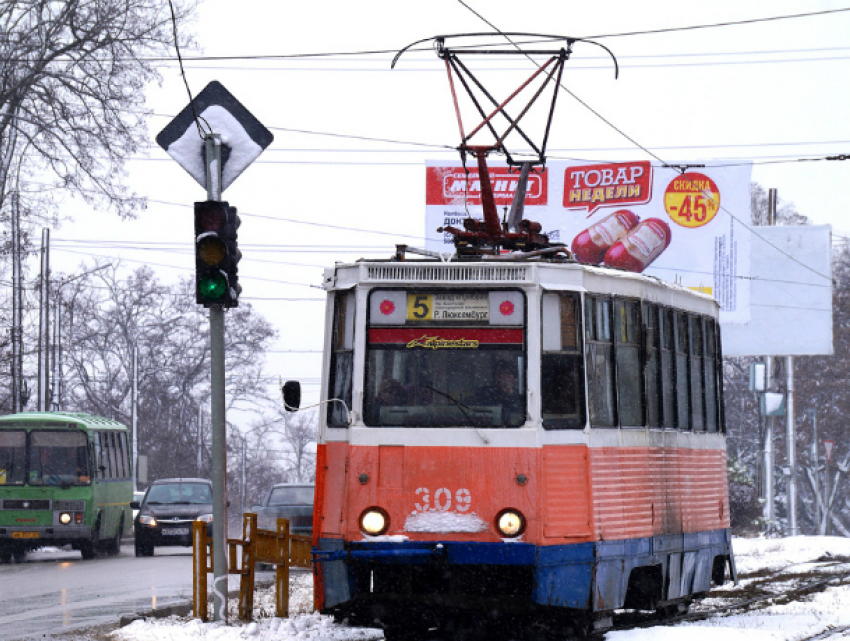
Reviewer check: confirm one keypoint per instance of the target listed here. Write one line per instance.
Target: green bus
(65, 478)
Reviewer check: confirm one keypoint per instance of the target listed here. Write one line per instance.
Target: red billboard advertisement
(607, 185)
(453, 186)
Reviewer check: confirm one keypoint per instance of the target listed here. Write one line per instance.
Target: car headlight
(206, 518)
(510, 523)
(65, 518)
(374, 521)
(147, 519)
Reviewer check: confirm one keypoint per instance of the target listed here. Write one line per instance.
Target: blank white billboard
(790, 295)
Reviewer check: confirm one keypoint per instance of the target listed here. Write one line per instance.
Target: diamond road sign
(243, 137)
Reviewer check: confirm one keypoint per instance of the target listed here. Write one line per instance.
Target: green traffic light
(212, 286)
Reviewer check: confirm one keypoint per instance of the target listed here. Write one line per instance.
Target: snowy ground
(791, 622)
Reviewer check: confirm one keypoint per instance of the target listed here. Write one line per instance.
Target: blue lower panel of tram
(585, 576)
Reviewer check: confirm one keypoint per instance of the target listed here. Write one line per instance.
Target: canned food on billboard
(590, 245)
(642, 245)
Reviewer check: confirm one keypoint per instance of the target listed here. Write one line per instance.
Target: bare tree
(300, 436)
(786, 213)
(106, 316)
(72, 81)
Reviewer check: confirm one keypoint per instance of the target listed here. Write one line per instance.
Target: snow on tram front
(530, 438)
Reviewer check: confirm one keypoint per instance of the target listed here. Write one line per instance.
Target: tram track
(754, 592)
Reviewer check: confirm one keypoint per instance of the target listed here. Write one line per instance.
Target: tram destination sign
(460, 306)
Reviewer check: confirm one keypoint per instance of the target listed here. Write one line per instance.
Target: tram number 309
(442, 500)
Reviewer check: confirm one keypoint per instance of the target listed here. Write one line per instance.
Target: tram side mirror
(291, 395)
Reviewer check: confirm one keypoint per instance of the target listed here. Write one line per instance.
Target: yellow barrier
(278, 548)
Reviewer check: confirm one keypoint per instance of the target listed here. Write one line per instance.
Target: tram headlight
(147, 519)
(374, 521)
(65, 518)
(510, 523)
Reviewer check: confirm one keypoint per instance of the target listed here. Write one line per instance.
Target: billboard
(688, 227)
(790, 295)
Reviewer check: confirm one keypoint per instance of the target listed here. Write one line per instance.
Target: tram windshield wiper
(462, 407)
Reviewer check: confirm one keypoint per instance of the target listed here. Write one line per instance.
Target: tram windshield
(440, 359)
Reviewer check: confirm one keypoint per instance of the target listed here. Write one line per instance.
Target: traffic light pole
(212, 162)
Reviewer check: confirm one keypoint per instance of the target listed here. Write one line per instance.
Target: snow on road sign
(243, 137)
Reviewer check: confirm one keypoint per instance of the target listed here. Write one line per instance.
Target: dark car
(168, 510)
(293, 501)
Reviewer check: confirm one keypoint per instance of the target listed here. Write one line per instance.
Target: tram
(510, 437)
(531, 436)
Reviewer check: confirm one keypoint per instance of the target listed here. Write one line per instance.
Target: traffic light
(216, 254)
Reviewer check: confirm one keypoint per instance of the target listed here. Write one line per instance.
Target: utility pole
(768, 449)
(56, 355)
(212, 157)
(769, 514)
(134, 409)
(44, 323)
(791, 447)
(17, 311)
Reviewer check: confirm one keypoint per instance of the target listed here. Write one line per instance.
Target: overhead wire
(650, 152)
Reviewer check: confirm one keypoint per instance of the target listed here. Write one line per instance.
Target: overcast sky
(774, 92)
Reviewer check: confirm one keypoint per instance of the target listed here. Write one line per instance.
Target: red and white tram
(530, 437)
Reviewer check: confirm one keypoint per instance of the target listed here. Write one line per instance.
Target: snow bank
(771, 554)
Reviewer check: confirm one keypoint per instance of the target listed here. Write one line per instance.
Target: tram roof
(78, 418)
(518, 272)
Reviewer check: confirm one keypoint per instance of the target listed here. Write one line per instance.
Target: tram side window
(668, 369)
(342, 359)
(629, 375)
(683, 411)
(600, 362)
(711, 370)
(562, 376)
(695, 342)
(652, 370)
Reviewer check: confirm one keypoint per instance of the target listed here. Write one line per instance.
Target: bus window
(561, 375)
(600, 362)
(13, 464)
(58, 458)
(629, 374)
(342, 359)
(125, 455)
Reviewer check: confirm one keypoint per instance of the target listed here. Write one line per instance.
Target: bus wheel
(89, 548)
(112, 547)
(5, 555)
(20, 555)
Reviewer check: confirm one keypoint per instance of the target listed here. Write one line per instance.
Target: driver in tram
(504, 392)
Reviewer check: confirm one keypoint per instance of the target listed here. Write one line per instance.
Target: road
(55, 592)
